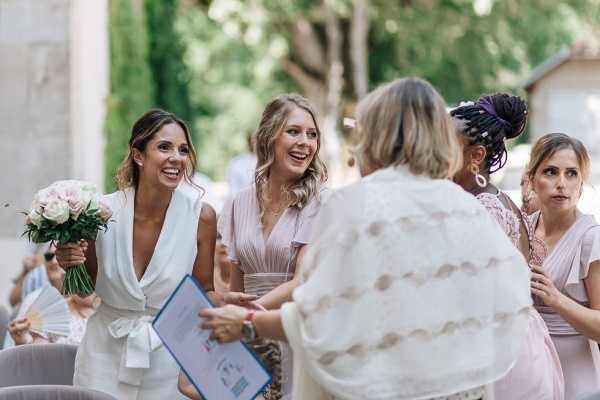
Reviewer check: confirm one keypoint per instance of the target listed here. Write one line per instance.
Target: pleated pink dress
(267, 262)
(537, 373)
(568, 265)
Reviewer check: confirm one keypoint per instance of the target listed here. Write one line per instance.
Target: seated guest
(410, 290)
(223, 267)
(81, 309)
(30, 262)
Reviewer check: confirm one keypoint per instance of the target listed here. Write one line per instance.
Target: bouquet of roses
(68, 211)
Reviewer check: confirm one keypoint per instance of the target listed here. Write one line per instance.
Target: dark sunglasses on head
(49, 256)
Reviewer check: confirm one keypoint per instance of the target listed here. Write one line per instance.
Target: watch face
(248, 331)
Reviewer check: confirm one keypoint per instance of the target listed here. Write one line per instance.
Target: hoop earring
(479, 179)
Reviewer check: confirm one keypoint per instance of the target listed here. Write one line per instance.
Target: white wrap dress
(120, 353)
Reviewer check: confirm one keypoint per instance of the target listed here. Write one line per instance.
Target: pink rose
(75, 200)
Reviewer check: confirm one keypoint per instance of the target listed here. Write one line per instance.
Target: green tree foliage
(228, 57)
(464, 47)
(166, 57)
(131, 85)
(234, 71)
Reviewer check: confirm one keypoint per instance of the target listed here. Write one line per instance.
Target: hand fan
(48, 312)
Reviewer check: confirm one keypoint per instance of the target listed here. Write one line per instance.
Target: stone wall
(53, 85)
(34, 105)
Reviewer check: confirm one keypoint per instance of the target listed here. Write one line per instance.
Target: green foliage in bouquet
(85, 227)
(67, 212)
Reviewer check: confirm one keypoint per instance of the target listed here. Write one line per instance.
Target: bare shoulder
(208, 216)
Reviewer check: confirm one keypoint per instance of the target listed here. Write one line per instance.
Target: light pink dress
(267, 262)
(568, 265)
(537, 374)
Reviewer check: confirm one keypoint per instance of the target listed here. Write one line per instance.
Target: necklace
(274, 213)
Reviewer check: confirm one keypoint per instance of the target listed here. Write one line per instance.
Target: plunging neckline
(265, 238)
(156, 245)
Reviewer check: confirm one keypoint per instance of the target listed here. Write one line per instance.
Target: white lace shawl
(411, 291)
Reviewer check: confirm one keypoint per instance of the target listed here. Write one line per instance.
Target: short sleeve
(508, 221)
(225, 228)
(307, 219)
(588, 252)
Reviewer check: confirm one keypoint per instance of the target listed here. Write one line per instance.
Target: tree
(166, 58)
(334, 50)
(131, 86)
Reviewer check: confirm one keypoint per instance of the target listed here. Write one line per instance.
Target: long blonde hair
(272, 123)
(405, 122)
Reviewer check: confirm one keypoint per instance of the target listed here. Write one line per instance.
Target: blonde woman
(267, 226)
(566, 255)
(410, 289)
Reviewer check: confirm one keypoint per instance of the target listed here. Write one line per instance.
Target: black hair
(490, 120)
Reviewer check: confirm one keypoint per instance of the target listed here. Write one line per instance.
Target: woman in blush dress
(566, 260)
(267, 226)
(159, 235)
(483, 126)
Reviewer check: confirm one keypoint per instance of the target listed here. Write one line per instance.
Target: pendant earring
(479, 179)
(351, 160)
(139, 163)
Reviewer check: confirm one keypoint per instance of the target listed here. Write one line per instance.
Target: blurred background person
(530, 202)
(80, 308)
(240, 170)
(223, 266)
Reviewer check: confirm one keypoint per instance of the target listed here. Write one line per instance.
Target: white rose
(35, 217)
(46, 195)
(57, 211)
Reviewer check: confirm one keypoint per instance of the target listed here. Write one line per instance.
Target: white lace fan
(48, 312)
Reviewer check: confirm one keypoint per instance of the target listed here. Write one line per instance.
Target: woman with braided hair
(483, 127)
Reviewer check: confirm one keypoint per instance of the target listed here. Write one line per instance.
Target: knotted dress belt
(140, 340)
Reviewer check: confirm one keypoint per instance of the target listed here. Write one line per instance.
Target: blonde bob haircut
(406, 122)
(272, 124)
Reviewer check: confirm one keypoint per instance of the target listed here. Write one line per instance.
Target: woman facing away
(158, 235)
(267, 226)
(483, 127)
(566, 260)
(410, 289)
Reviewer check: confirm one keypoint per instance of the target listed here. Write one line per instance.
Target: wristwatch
(248, 328)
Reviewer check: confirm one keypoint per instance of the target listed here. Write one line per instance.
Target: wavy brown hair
(142, 132)
(272, 123)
